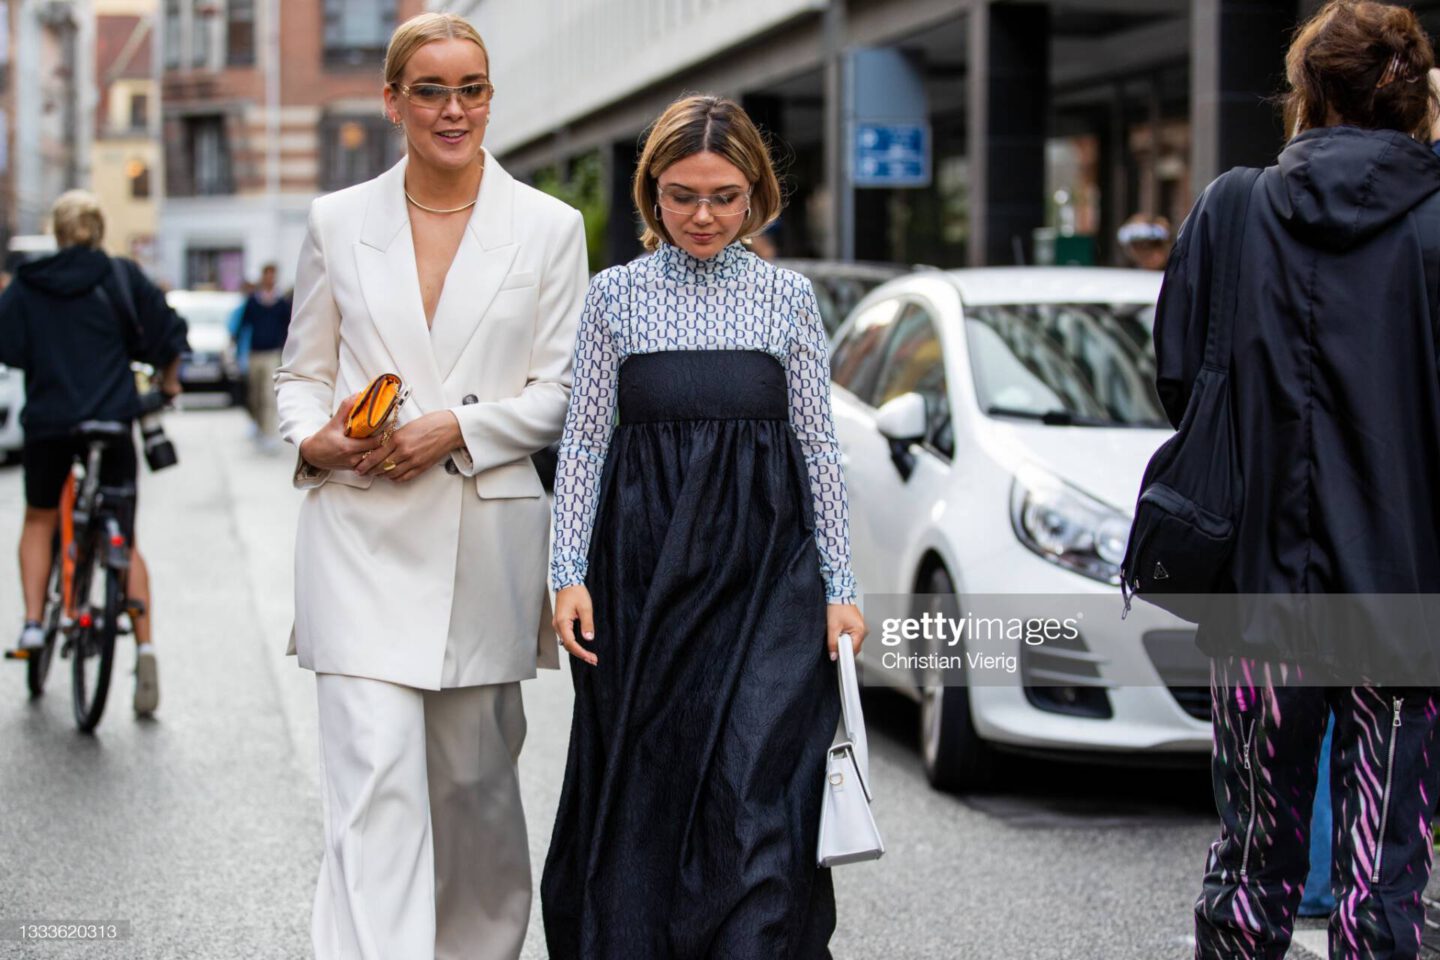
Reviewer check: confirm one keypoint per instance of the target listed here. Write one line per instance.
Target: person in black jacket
(1335, 392)
(63, 321)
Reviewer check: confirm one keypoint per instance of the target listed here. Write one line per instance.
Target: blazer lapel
(385, 260)
(483, 260)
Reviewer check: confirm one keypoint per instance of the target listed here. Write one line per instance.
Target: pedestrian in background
(74, 327)
(1146, 241)
(263, 324)
(703, 547)
(420, 597)
(1334, 387)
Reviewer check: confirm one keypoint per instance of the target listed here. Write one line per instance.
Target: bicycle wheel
(99, 601)
(37, 668)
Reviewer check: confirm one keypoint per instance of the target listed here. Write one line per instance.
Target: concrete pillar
(1009, 78)
(1237, 61)
(622, 229)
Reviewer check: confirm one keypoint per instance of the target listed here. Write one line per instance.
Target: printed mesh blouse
(674, 301)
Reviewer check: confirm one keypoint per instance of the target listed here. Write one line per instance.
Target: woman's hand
(573, 603)
(415, 447)
(844, 618)
(330, 449)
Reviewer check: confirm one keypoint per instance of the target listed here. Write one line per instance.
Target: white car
(12, 400)
(211, 364)
(994, 426)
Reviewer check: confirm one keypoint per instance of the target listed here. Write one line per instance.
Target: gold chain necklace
(463, 206)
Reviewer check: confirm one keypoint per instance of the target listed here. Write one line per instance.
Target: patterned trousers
(1384, 779)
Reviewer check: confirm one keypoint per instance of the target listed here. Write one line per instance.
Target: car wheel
(956, 760)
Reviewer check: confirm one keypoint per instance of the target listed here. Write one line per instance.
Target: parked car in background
(994, 425)
(12, 400)
(839, 285)
(211, 364)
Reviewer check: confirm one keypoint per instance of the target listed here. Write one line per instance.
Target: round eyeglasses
(683, 203)
(436, 95)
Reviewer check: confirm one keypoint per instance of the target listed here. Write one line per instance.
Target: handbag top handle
(852, 718)
(1231, 210)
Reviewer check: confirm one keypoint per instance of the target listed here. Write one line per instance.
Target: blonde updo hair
(700, 124)
(425, 28)
(77, 219)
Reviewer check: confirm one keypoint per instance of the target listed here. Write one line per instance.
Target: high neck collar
(682, 267)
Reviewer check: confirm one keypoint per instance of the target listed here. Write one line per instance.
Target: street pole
(272, 123)
(840, 243)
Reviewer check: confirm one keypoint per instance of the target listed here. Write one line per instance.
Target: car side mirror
(903, 419)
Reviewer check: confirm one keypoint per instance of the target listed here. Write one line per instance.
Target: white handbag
(847, 827)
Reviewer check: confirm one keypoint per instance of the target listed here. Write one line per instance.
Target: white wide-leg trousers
(425, 847)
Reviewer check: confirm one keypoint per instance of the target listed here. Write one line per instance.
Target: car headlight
(1067, 527)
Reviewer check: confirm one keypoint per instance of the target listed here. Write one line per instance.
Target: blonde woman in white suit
(420, 596)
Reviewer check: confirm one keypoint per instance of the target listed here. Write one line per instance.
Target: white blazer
(378, 566)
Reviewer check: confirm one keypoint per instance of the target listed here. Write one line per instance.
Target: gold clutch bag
(376, 406)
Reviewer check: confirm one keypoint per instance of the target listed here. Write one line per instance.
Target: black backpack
(1190, 498)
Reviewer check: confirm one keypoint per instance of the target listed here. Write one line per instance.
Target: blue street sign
(891, 155)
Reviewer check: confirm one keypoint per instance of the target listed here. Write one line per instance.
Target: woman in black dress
(702, 544)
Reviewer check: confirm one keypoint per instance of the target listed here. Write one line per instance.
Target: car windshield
(1070, 364)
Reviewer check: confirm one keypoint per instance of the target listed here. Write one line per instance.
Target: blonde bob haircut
(77, 219)
(426, 28)
(697, 124)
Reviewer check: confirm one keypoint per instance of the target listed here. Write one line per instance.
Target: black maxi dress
(688, 819)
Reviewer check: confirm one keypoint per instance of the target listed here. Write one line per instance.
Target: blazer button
(451, 469)
(470, 398)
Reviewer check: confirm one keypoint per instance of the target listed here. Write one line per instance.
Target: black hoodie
(1335, 374)
(75, 344)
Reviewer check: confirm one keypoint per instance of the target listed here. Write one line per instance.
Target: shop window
(354, 149)
(214, 268)
(137, 172)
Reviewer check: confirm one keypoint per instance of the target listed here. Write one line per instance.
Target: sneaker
(147, 682)
(32, 637)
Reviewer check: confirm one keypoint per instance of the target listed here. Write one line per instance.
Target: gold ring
(388, 465)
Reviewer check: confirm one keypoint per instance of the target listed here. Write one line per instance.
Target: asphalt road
(201, 828)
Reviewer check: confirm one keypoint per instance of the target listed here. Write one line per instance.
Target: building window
(354, 149)
(139, 111)
(137, 171)
(207, 156)
(240, 33)
(356, 31)
(214, 268)
(172, 33)
(201, 17)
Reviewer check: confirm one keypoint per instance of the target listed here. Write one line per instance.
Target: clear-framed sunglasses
(731, 203)
(436, 95)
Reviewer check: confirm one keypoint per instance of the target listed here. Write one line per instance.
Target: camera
(159, 450)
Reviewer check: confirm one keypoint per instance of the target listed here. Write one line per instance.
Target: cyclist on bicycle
(74, 324)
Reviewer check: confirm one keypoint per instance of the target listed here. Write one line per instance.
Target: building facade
(265, 105)
(1027, 120)
(47, 105)
(125, 169)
